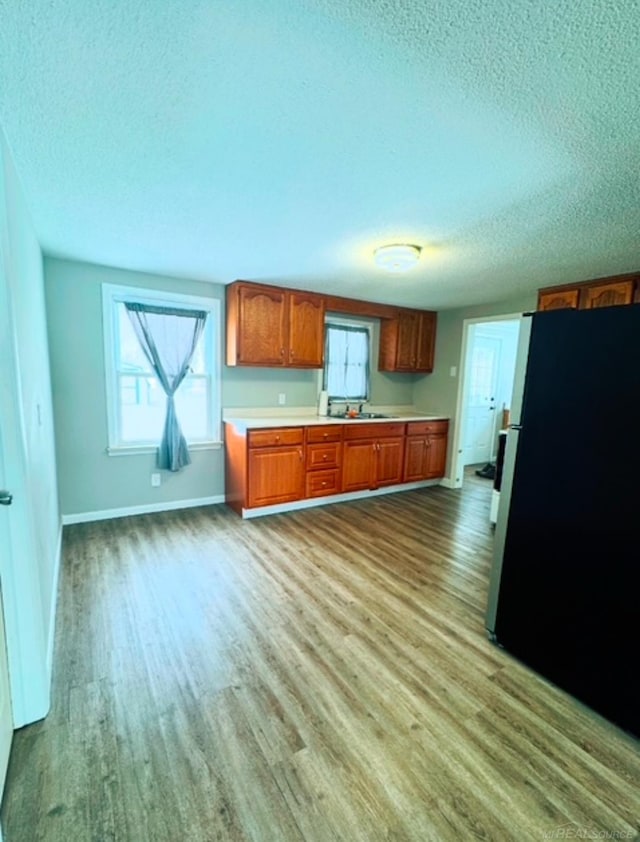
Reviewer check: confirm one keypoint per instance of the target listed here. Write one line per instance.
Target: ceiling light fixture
(397, 258)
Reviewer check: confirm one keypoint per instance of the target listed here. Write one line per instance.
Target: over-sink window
(346, 366)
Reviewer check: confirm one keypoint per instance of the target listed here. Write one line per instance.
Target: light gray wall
(438, 393)
(22, 267)
(89, 479)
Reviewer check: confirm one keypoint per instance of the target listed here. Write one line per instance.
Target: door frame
(457, 467)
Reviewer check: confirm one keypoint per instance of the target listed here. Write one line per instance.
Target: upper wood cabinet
(407, 341)
(607, 295)
(558, 300)
(601, 292)
(270, 326)
(278, 327)
(306, 329)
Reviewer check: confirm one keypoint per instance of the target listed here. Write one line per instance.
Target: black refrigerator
(564, 595)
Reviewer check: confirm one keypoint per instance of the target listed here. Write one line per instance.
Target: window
(136, 402)
(346, 367)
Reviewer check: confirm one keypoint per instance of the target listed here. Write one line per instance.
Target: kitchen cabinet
(323, 459)
(607, 295)
(263, 467)
(426, 450)
(558, 300)
(407, 341)
(613, 291)
(372, 455)
(275, 469)
(284, 328)
(271, 326)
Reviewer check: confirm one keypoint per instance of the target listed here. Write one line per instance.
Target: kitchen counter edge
(267, 422)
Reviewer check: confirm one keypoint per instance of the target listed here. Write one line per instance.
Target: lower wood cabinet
(426, 450)
(263, 467)
(276, 466)
(373, 456)
(271, 466)
(323, 458)
(276, 475)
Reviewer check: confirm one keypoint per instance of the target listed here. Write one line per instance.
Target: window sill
(135, 450)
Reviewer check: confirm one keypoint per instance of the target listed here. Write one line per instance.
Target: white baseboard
(148, 508)
(447, 482)
(54, 604)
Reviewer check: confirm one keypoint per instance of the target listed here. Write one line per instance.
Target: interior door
(480, 407)
(6, 717)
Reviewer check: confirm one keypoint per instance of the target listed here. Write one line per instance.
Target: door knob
(6, 499)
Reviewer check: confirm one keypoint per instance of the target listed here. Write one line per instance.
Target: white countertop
(248, 419)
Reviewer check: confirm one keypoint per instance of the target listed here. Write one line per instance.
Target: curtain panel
(168, 336)
(347, 362)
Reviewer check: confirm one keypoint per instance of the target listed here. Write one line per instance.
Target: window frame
(114, 294)
(367, 325)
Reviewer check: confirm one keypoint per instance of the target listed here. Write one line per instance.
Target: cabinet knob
(282, 352)
(277, 438)
(325, 457)
(324, 484)
(325, 435)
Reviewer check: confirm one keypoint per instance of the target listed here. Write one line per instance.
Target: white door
(480, 411)
(6, 718)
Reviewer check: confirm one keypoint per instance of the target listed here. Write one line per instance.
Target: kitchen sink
(361, 416)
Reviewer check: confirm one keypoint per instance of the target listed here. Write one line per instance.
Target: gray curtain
(168, 338)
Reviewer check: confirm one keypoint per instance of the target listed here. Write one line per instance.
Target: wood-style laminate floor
(318, 675)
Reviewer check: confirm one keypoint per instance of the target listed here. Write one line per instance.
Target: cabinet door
(306, 330)
(389, 453)
(607, 295)
(406, 350)
(261, 334)
(436, 456)
(358, 465)
(426, 342)
(558, 300)
(415, 459)
(276, 475)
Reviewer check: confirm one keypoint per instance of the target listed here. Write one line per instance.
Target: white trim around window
(114, 294)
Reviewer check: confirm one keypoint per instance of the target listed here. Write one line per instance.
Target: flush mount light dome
(397, 258)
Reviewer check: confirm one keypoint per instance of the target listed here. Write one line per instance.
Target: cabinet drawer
(324, 432)
(275, 436)
(422, 428)
(356, 430)
(320, 483)
(323, 455)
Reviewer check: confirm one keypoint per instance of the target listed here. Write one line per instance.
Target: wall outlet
(155, 480)
(282, 399)
(453, 371)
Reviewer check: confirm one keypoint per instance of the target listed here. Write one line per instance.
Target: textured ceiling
(283, 141)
